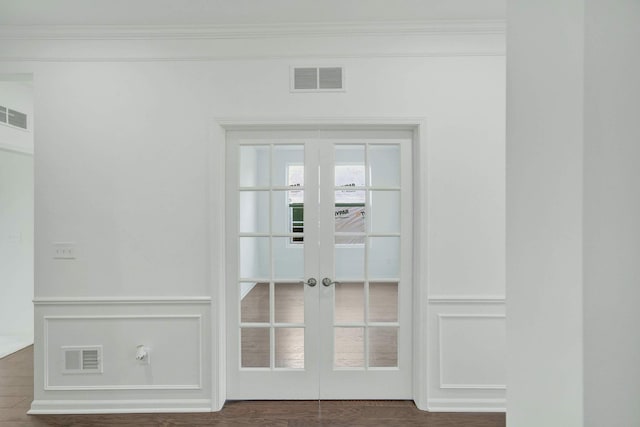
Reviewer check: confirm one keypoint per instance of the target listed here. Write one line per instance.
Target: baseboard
(46, 407)
(467, 405)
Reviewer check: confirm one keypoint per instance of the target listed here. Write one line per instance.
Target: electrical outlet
(64, 250)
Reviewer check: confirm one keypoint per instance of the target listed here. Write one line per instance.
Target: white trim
(473, 386)
(218, 232)
(44, 407)
(442, 384)
(467, 299)
(217, 32)
(420, 276)
(255, 56)
(216, 186)
(47, 319)
(266, 42)
(120, 300)
(314, 123)
(467, 405)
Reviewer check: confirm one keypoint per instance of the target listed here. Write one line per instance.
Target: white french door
(319, 267)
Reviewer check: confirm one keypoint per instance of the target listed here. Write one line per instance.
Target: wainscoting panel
(467, 353)
(118, 335)
(176, 334)
(472, 350)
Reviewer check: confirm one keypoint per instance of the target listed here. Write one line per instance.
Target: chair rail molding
(111, 300)
(467, 299)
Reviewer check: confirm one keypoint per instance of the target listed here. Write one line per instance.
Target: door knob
(328, 282)
(311, 282)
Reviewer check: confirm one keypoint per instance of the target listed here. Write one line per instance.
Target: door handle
(328, 282)
(311, 282)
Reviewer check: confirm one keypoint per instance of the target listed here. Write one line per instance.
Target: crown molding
(212, 32)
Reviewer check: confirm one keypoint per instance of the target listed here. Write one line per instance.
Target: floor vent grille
(13, 117)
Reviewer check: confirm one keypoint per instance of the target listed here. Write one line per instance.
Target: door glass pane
(289, 303)
(383, 347)
(349, 261)
(349, 166)
(254, 347)
(385, 211)
(254, 208)
(383, 302)
(285, 156)
(384, 257)
(384, 165)
(254, 302)
(349, 197)
(348, 347)
(349, 302)
(287, 216)
(254, 257)
(289, 344)
(349, 217)
(254, 166)
(288, 259)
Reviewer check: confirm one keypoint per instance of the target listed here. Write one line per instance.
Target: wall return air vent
(13, 117)
(82, 360)
(317, 79)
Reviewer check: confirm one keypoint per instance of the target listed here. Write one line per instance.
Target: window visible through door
(349, 203)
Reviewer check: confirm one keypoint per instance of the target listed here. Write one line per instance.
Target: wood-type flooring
(16, 394)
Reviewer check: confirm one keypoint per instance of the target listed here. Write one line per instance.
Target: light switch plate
(64, 250)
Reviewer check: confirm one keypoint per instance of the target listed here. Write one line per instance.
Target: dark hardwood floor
(16, 394)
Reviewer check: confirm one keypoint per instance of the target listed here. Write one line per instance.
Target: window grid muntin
(367, 324)
(271, 280)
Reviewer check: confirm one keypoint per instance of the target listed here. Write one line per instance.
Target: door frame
(216, 180)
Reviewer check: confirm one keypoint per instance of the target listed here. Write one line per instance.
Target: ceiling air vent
(82, 360)
(13, 117)
(317, 79)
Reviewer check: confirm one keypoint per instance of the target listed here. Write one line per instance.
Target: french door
(319, 258)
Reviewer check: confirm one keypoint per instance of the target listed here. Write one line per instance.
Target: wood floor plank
(10, 401)
(15, 401)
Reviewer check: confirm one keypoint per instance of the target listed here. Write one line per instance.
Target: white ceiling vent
(82, 360)
(317, 79)
(13, 117)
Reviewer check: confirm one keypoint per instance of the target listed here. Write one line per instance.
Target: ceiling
(241, 12)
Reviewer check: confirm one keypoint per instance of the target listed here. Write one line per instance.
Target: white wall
(572, 210)
(16, 245)
(611, 214)
(122, 170)
(544, 213)
(16, 216)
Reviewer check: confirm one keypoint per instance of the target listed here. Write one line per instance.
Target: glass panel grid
(378, 331)
(271, 335)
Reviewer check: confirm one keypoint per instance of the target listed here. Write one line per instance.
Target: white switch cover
(64, 250)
